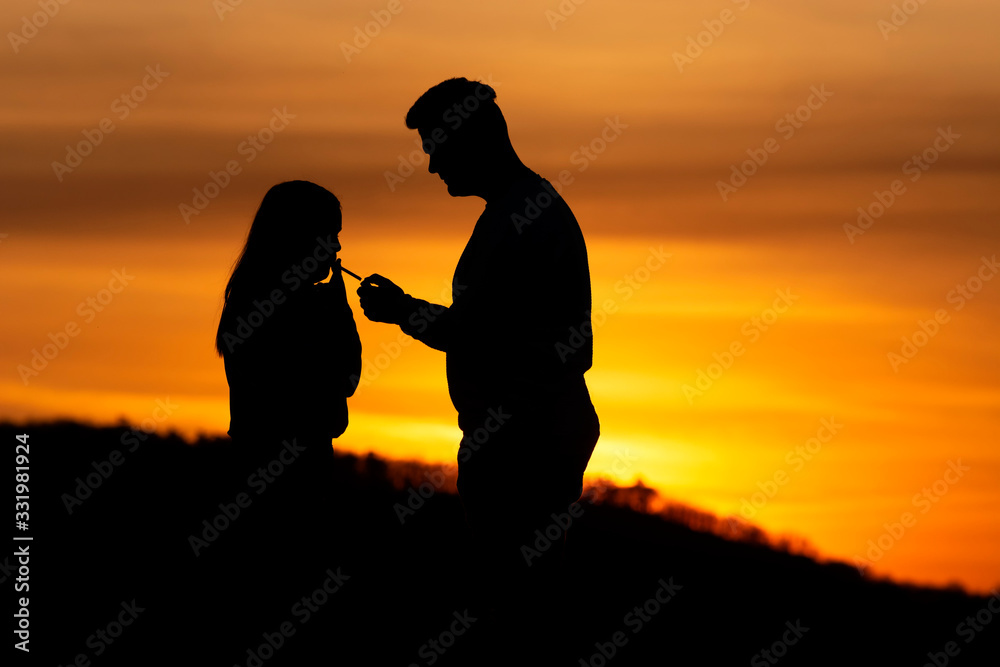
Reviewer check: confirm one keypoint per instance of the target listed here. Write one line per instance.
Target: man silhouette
(515, 354)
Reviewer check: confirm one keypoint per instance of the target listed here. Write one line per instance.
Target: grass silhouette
(737, 591)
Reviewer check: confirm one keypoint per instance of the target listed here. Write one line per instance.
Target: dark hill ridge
(113, 519)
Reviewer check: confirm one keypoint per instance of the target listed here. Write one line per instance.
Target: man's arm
(429, 323)
(384, 301)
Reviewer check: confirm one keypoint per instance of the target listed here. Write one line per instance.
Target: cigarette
(350, 273)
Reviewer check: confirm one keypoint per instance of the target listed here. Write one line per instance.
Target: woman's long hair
(284, 231)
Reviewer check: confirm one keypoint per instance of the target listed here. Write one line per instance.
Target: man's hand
(382, 300)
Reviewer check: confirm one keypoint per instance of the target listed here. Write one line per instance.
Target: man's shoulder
(534, 205)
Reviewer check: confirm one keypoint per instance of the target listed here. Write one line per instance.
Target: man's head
(464, 134)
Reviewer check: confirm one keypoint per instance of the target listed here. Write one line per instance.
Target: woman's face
(321, 253)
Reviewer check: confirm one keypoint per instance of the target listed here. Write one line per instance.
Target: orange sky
(654, 185)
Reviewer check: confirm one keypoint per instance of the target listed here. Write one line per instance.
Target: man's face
(451, 161)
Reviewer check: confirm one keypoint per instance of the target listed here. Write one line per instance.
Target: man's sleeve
(429, 323)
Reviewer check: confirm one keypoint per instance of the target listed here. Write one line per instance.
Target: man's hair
(475, 101)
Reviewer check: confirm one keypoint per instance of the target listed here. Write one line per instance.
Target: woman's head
(292, 241)
(292, 220)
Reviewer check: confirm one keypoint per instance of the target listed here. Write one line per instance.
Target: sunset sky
(116, 114)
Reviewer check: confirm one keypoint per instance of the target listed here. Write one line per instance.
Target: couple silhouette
(293, 357)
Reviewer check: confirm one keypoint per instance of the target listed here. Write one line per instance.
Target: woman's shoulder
(326, 297)
(319, 304)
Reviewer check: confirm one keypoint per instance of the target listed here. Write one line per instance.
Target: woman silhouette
(289, 341)
(292, 357)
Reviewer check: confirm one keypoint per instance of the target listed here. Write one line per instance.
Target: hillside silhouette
(116, 532)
